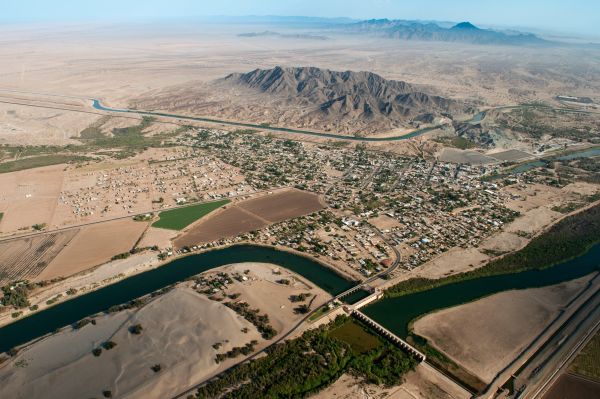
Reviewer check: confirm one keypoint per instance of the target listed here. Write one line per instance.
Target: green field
(587, 362)
(36, 162)
(359, 339)
(178, 219)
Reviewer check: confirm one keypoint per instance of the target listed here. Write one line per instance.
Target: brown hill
(309, 97)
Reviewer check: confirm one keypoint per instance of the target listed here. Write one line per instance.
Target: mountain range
(464, 32)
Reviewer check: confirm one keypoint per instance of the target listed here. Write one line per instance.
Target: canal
(69, 312)
(397, 313)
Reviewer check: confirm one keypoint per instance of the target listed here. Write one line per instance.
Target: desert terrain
(180, 330)
(81, 188)
(521, 316)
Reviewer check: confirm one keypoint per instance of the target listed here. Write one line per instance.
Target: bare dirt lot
(283, 205)
(423, 383)
(25, 258)
(469, 333)
(28, 197)
(573, 386)
(249, 215)
(94, 245)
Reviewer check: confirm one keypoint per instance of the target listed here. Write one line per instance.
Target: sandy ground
(469, 333)
(262, 280)
(384, 222)
(423, 383)
(38, 126)
(28, 197)
(179, 329)
(154, 236)
(94, 245)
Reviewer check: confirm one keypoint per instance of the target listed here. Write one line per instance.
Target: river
(69, 312)
(393, 313)
(396, 313)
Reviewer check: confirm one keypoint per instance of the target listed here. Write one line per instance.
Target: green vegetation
(1, 216)
(136, 329)
(587, 362)
(237, 351)
(156, 368)
(178, 219)
(261, 322)
(108, 345)
(39, 161)
(305, 365)
(357, 336)
(567, 239)
(39, 226)
(15, 295)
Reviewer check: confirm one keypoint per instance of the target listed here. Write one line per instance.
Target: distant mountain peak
(465, 25)
(464, 32)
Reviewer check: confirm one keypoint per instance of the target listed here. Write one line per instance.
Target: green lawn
(355, 335)
(180, 218)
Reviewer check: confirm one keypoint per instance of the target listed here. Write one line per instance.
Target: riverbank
(569, 237)
(123, 291)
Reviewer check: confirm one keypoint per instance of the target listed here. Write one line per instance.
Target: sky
(577, 16)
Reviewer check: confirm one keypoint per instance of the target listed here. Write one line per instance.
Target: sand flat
(179, 329)
(28, 197)
(469, 333)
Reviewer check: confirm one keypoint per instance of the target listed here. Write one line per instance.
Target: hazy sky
(561, 15)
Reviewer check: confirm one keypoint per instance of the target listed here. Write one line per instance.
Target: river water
(396, 313)
(71, 311)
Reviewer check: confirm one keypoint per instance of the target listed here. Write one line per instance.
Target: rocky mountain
(360, 97)
(464, 32)
(357, 103)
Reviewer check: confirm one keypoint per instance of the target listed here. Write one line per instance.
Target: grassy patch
(355, 335)
(178, 219)
(37, 162)
(587, 362)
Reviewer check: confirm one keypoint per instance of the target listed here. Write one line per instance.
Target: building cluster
(428, 206)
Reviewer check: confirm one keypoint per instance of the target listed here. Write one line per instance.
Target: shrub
(156, 368)
(108, 345)
(136, 329)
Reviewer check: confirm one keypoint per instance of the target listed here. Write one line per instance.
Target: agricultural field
(573, 386)
(180, 218)
(92, 246)
(26, 258)
(283, 205)
(253, 214)
(587, 362)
